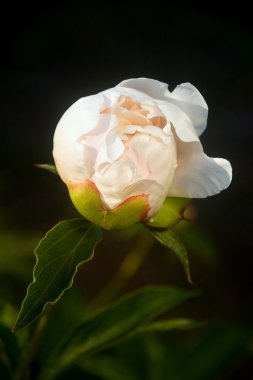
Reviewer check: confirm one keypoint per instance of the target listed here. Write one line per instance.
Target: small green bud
(171, 212)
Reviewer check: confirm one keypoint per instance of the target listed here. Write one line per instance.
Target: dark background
(51, 56)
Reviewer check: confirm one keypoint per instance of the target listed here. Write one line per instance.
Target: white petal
(180, 120)
(153, 159)
(112, 179)
(152, 87)
(186, 107)
(105, 140)
(146, 167)
(113, 196)
(157, 132)
(69, 151)
(81, 117)
(197, 175)
(189, 99)
(113, 93)
(114, 146)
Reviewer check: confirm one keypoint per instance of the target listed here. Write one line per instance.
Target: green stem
(34, 346)
(126, 271)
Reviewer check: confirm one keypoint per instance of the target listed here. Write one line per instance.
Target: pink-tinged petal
(153, 110)
(152, 189)
(197, 175)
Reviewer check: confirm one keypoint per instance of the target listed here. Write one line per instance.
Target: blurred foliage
(16, 257)
(210, 352)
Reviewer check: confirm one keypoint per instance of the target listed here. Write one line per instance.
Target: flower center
(134, 117)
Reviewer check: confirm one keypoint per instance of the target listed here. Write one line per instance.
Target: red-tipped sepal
(86, 198)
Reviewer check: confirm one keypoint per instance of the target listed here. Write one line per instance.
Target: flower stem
(126, 271)
(33, 348)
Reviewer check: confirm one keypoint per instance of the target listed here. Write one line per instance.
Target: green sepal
(86, 198)
(171, 213)
(51, 168)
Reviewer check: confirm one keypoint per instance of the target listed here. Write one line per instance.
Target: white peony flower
(123, 151)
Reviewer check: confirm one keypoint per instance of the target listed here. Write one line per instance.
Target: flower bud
(123, 151)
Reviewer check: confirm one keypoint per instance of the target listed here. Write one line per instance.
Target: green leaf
(49, 167)
(170, 240)
(117, 322)
(171, 213)
(66, 246)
